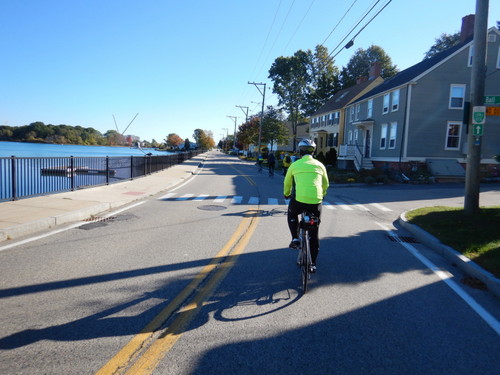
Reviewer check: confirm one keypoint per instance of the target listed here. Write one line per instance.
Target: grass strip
(476, 236)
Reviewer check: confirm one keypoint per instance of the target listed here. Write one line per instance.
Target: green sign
(478, 129)
(491, 100)
(478, 114)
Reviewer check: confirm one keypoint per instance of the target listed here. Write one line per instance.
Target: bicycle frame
(304, 259)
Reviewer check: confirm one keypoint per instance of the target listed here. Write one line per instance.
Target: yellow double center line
(144, 351)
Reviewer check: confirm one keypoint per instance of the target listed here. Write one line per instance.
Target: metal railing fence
(24, 177)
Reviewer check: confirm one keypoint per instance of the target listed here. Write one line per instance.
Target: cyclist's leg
(293, 218)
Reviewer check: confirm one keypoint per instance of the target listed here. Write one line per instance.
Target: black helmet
(306, 146)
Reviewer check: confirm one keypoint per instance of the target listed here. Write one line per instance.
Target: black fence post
(107, 170)
(13, 175)
(131, 167)
(72, 171)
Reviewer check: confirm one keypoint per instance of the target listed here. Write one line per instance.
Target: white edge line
(72, 226)
(485, 315)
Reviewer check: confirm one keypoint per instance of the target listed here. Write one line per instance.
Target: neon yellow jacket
(311, 180)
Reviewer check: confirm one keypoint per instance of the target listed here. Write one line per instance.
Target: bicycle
(304, 260)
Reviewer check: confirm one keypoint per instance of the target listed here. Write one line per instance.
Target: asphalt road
(199, 280)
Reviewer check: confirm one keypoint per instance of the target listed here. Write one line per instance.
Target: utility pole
(234, 140)
(478, 72)
(262, 112)
(244, 112)
(227, 135)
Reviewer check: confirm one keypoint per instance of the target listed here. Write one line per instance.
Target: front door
(367, 143)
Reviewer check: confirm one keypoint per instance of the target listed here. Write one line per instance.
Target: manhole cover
(212, 207)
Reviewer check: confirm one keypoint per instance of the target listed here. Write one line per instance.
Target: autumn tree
(360, 63)
(203, 139)
(173, 140)
(274, 130)
(248, 132)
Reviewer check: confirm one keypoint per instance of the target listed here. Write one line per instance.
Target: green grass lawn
(476, 236)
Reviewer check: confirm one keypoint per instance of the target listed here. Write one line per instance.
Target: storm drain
(97, 219)
(212, 207)
(403, 239)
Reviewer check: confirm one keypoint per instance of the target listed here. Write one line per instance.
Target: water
(24, 149)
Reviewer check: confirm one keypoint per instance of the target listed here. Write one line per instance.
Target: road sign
(478, 129)
(492, 111)
(478, 114)
(492, 99)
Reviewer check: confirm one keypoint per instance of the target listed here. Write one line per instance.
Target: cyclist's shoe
(313, 268)
(295, 244)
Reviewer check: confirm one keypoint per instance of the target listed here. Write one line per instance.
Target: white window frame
(471, 56)
(498, 59)
(383, 137)
(457, 136)
(393, 130)
(351, 114)
(349, 138)
(358, 110)
(395, 100)
(356, 133)
(385, 105)
(453, 86)
(370, 108)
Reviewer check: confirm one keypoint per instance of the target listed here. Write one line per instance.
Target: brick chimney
(375, 70)
(467, 27)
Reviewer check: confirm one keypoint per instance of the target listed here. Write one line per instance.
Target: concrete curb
(453, 256)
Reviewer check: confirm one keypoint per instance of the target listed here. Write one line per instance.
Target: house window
(457, 95)
(358, 109)
(395, 100)
(370, 108)
(383, 136)
(386, 104)
(336, 118)
(351, 114)
(498, 59)
(336, 139)
(356, 136)
(453, 132)
(392, 134)
(349, 138)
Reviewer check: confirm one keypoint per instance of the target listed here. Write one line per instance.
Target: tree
(248, 133)
(274, 129)
(324, 80)
(203, 139)
(291, 78)
(360, 63)
(173, 140)
(442, 43)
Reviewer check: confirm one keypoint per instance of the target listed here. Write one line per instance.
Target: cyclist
(309, 180)
(287, 160)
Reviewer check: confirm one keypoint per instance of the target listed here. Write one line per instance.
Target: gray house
(417, 116)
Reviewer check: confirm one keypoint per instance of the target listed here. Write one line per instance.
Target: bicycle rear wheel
(304, 260)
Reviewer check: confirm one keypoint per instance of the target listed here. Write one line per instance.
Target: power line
(338, 23)
(351, 42)
(298, 26)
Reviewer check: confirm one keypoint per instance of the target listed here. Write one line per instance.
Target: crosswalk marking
(328, 205)
(238, 199)
(201, 197)
(253, 200)
(344, 206)
(185, 197)
(380, 207)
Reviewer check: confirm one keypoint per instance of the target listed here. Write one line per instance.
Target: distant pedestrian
(271, 160)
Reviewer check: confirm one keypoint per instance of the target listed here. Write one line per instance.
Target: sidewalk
(28, 216)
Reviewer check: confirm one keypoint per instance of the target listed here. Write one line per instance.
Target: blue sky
(185, 64)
